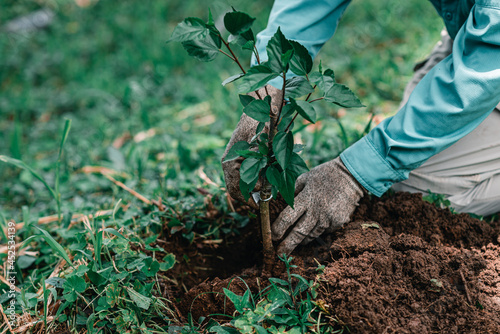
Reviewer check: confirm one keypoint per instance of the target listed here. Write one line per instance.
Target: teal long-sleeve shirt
(447, 104)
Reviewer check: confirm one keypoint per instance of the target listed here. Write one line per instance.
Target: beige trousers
(468, 172)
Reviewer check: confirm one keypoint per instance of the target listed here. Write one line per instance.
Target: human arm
(448, 103)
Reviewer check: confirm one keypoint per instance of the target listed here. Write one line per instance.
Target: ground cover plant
(140, 186)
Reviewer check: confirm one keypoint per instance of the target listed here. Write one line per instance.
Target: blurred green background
(144, 108)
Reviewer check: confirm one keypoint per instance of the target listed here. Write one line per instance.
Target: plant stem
(232, 53)
(265, 223)
(319, 98)
(308, 96)
(290, 124)
(226, 54)
(265, 195)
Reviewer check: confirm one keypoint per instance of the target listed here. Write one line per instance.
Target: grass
(154, 121)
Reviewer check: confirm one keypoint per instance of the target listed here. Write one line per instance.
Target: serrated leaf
(287, 187)
(283, 148)
(202, 49)
(246, 40)
(324, 81)
(301, 62)
(297, 165)
(342, 96)
(273, 175)
(258, 110)
(237, 22)
(250, 169)
(233, 151)
(192, 28)
(278, 53)
(305, 109)
(255, 78)
(232, 79)
(297, 87)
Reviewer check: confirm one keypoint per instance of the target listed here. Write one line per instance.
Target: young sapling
(271, 157)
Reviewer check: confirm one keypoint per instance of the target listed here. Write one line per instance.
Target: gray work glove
(325, 198)
(245, 130)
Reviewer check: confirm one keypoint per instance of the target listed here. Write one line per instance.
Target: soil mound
(401, 266)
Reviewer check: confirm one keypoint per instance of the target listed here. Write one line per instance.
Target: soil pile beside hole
(401, 266)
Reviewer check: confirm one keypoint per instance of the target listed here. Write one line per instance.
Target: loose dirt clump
(401, 266)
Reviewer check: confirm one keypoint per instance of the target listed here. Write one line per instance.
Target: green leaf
(56, 247)
(305, 109)
(204, 49)
(297, 165)
(233, 151)
(55, 281)
(342, 96)
(260, 127)
(168, 262)
(263, 148)
(287, 110)
(283, 148)
(140, 300)
(250, 168)
(151, 267)
(324, 81)
(192, 28)
(301, 62)
(240, 302)
(75, 283)
(246, 40)
(232, 78)
(273, 175)
(258, 110)
(297, 87)
(246, 188)
(278, 52)
(250, 154)
(255, 78)
(246, 99)
(287, 187)
(237, 22)
(298, 148)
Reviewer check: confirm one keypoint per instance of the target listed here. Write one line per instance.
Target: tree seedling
(269, 157)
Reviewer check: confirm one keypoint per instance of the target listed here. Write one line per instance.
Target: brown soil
(401, 266)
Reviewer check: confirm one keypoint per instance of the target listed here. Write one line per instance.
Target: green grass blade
(56, 247)
(67, 127)
(20, 164)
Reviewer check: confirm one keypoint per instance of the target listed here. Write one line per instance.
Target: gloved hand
(245, 130)
(325, 198)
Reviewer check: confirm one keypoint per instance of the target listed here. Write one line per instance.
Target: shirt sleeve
(447, 104)
(309, 22)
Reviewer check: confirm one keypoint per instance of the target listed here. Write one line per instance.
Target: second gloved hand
(325, 198)
(244, 131)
